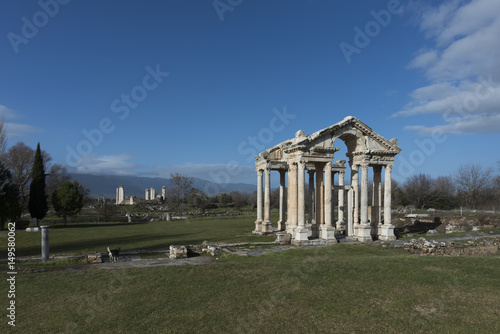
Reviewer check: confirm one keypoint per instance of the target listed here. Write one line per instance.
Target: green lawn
(335, 289)
(80, 238)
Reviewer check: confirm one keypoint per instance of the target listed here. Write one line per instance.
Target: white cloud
(106, 165)
(7, 112)
(463, 68)
(20, 130)
(16, 129)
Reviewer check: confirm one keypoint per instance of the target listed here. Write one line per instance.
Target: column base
(258, 227)
(327, 233)
(386, 233)
(364, 233)
(301, 234)
(267, 227)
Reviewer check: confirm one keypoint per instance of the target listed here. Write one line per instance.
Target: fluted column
(301, 210)
(258, 222)
(387, 196)
(328, 194)
(387, 230)
(355, 194)
(364, 194)
(364, 229)
(281, 222)
(301, 231)
(292, 201)
(327, 231)
(377, 181)
(319, 196)
(266, 224)
(340, 221)
(311, 196)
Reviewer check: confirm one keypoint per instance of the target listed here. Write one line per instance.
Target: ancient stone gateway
(314, 154)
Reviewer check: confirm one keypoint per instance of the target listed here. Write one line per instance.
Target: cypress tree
(38, 200)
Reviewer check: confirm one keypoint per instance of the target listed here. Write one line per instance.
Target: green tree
(38, 200)
(180, 186)
(197, 199)
(67, 200)
(224, 199)
(9, 206)
(3, 136)
(107, 210)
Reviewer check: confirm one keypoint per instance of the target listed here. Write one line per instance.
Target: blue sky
(197, 86)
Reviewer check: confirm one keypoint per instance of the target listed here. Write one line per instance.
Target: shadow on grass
(101, 245)
(80, 225)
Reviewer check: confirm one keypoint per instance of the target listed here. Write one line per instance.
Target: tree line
(26, 187)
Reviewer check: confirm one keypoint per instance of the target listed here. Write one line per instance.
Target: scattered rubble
(477, 247)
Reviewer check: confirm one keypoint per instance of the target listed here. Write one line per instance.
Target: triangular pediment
(358, 137)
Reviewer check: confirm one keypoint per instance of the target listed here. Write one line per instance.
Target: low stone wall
(478, 247)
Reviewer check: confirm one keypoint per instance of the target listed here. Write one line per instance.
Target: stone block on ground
(178, 252)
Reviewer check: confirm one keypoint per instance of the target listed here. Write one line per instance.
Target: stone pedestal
(301, 234)
(364, 233)
(258, 227)
(327, 233)
(267, 227)
(386, 232)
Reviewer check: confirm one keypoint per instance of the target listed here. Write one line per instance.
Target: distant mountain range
(135, 185)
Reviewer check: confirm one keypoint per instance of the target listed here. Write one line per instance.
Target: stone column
(258, 222)
(117, 196)
(45, 242)
(319, 196)
(164, 192)
(350, 213)
(328, 194)
(266, 224)
(387, 230)
(311, 196)
(281, 222)
(377, 181)
(301, 232)
(340, 222)
(327, 231)
(355, 194)
(146, 196)
(364, 229)
(292, 201)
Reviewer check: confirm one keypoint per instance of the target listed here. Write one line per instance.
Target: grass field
(81, 238)
(335, 289)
